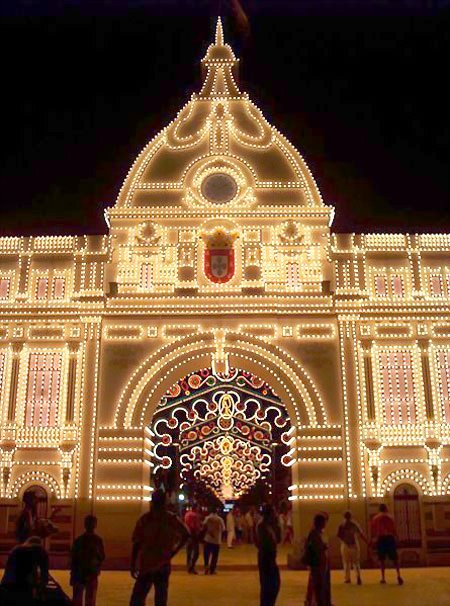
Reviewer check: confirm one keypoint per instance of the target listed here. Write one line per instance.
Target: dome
(219, 152)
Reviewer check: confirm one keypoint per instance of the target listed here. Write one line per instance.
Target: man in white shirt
(214, 528)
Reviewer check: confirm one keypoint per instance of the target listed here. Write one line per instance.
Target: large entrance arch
(126, 445)
(179, 358)
(223, 432)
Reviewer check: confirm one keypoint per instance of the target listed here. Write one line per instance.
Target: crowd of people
(208, 528)
(160, 534)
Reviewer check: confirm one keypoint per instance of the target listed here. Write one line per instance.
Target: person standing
(214, 528)
(157, 537)
(289, 527)
(231, 528)
(349, 533)
(282, 523)
(249, 526)
(87, 556)
(316, 558)
(238, 524)
(26, 522)
(383, 535)
(26, 574)
(268, 535)
(193, 522)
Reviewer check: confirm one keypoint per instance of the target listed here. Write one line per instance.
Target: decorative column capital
(74, 348)
(423, 344)
(366, 345)
(17, 348)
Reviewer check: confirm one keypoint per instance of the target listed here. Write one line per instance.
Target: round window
(219, 188)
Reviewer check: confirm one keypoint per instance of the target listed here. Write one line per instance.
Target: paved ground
(423, 587)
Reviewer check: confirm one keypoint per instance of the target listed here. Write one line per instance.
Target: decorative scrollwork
(224, 427)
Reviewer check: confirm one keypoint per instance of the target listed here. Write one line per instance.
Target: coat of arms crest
(219, 254)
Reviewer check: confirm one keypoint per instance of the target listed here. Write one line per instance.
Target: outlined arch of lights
(224, 428)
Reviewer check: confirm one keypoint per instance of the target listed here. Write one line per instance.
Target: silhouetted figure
(268, 534)
(231, 528)
(238, 519)
(87, 556)
(158, 536)
(250, 525)
(26, 574)
(193, 522)
(26, 522)
(384, 537)
(288, 536)
(316, 558)
(214, 528)
(349, 533)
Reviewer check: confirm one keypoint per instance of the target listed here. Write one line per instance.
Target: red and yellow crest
(219, 254)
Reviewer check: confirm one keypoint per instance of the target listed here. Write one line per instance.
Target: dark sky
(361, 93)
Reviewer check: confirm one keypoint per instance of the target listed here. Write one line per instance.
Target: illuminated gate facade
(220, 255)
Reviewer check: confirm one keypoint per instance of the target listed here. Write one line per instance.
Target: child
(87, 556)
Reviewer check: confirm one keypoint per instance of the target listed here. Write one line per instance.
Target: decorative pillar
(24, 266)
(71, 382)
(219, 360)
(428, 395)
(15, 366)
(6, 457)
(67, 455)
(434, 449)
(373, 450)
(6, 475)
(368, 380)
(415, 266)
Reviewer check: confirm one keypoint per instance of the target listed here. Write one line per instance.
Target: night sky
(361, 93)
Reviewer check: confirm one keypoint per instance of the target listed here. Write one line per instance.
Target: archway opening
(222, 438)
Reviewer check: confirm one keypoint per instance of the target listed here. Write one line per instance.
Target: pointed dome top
(218, 51)
(220, 136)
(219, 32)
(219, 62)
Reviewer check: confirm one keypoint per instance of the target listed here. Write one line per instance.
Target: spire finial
(219, 32)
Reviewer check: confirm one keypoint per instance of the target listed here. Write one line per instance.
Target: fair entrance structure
(220, 259)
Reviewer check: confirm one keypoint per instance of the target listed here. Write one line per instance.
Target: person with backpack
(349, 532)
(87, 556)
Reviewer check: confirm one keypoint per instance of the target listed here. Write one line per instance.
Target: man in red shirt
(383, 533)
(193, 522)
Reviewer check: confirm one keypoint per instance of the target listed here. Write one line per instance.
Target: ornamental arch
(149, 382)
(30, 480)
(405, 476)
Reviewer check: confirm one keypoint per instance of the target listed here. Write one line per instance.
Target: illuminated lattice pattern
(5, 284)
(43, 389)
(224, 428)
(397, 387)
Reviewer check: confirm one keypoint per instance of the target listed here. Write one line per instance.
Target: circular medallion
(219, 188)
